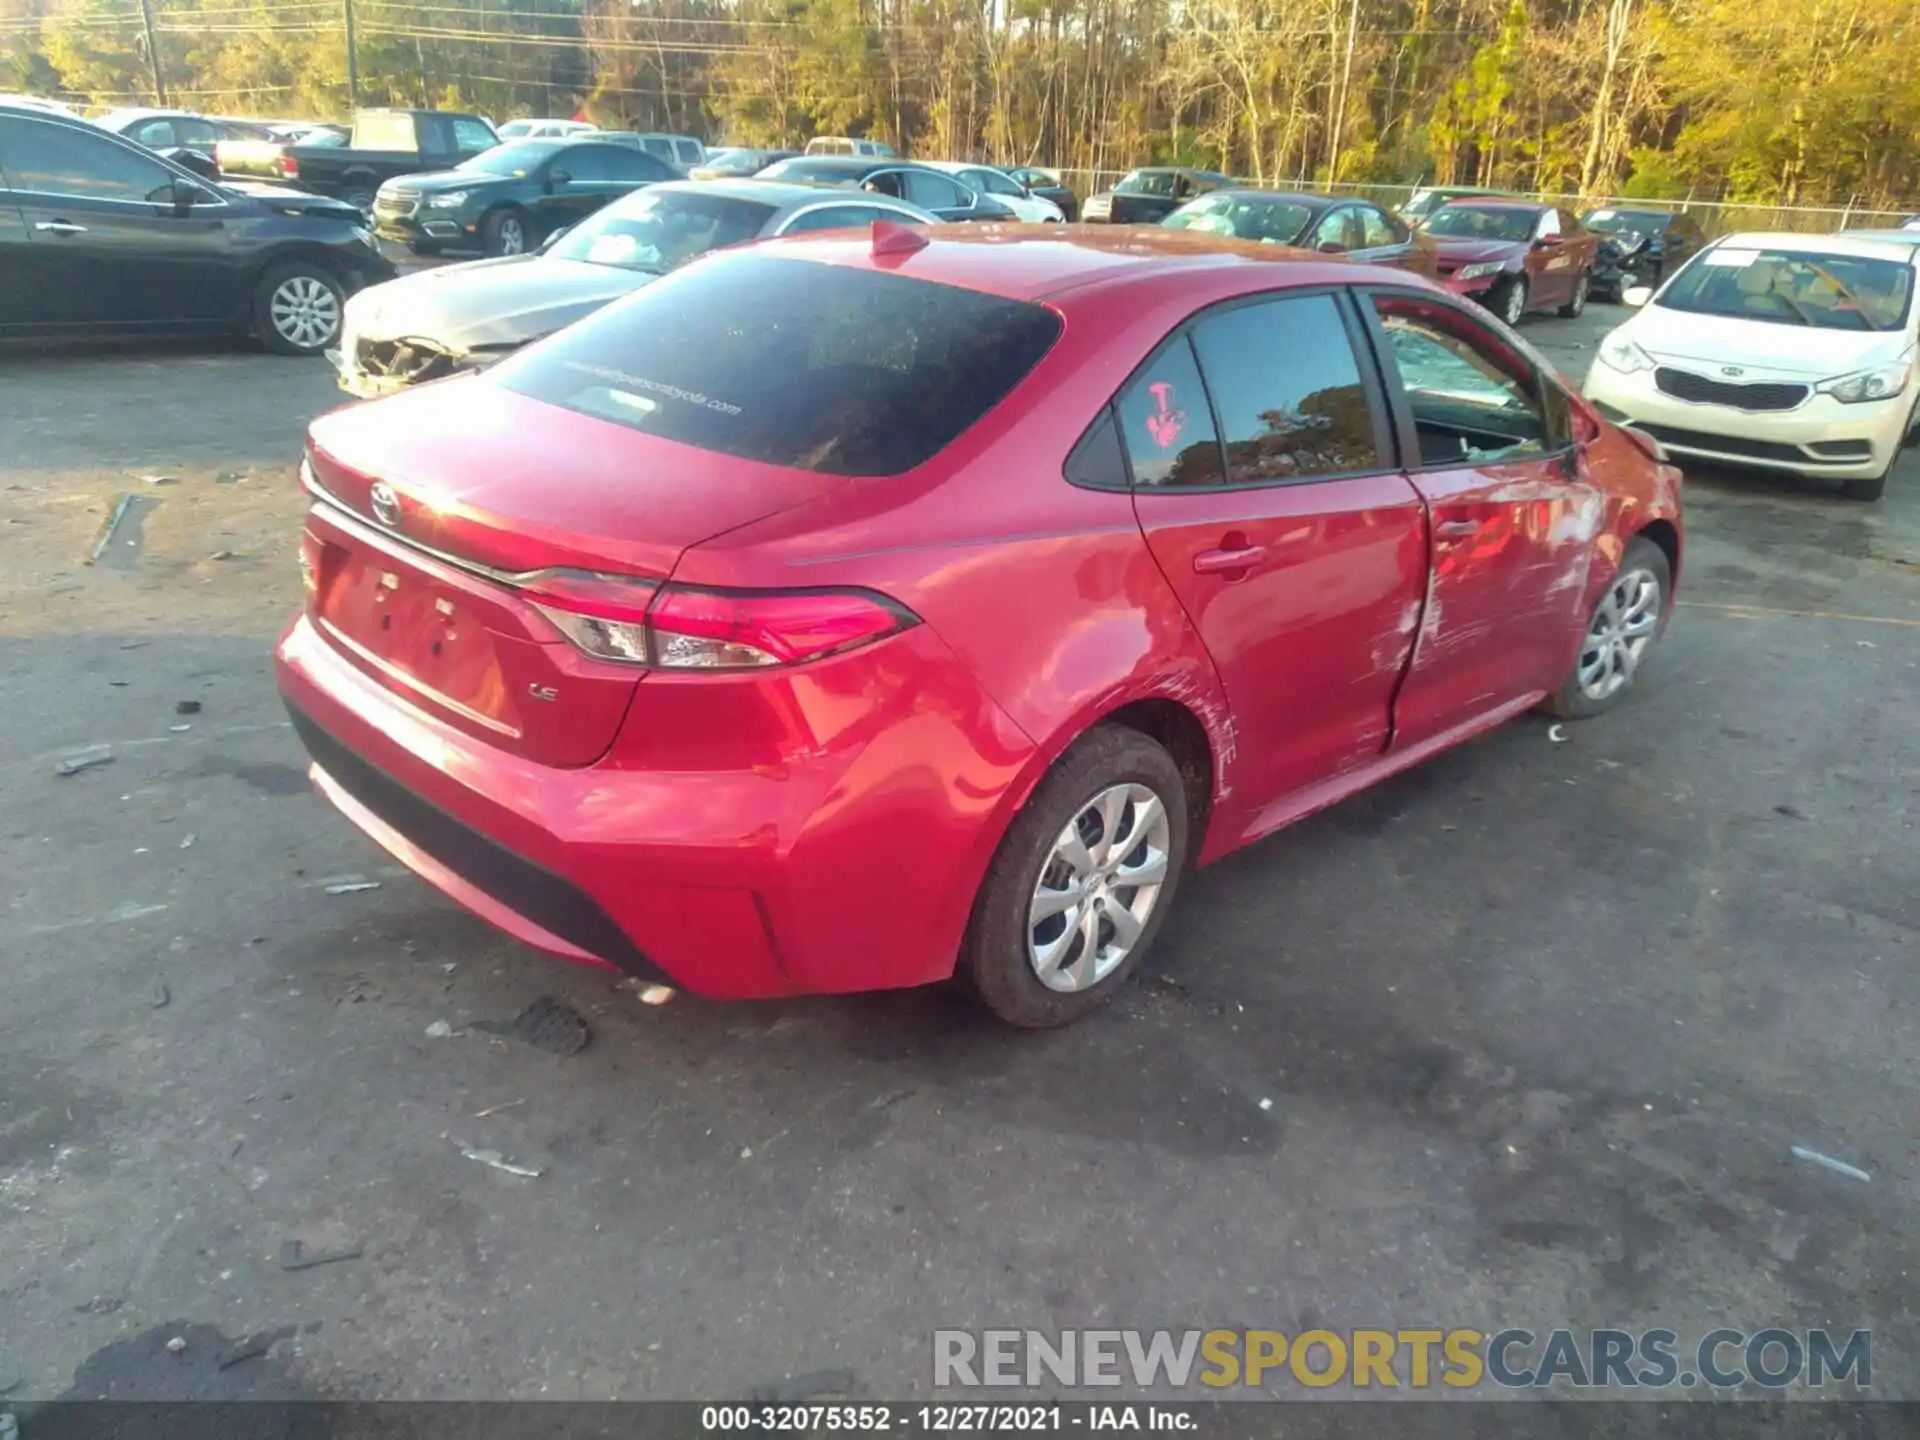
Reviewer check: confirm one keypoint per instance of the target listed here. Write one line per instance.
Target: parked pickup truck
(385, 143)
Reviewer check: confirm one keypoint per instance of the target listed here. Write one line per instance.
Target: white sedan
(986, 180)
(1786, 352)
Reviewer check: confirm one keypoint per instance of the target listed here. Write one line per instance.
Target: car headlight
(1619, 353)
(1864, 385)
(1479, 271)
(448, 200)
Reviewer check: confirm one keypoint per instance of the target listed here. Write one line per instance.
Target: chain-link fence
(1715, 217)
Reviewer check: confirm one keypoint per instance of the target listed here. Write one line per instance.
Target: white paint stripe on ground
(113, 917)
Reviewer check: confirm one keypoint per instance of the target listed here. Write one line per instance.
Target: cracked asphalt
(1539, 1022)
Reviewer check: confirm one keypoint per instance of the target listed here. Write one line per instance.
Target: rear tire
(1581, 286)
(1626, 623)
(1057, 902)
(297, 307)
(1509, 299)
(423, 247)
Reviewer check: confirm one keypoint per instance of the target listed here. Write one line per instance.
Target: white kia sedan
(1787, 352)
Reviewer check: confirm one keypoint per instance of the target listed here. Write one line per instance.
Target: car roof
(1523, 205)
(1039, 262)
(1889, 237)
(1289, 197)
(1867, 249)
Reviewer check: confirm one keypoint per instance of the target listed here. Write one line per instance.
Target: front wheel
(297, 308)
(1626, 621)
(505, 233)
(1081, 882)
(1571, 310)
(359, 196)
(1510, 299)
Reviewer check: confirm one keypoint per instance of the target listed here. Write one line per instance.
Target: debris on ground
(177, 1345)
(496, 1109)
(186, 841)
(549, 1024)
(100, 1305)
(1557, 734)
(495, 1160)
(160, 479)
(84, 760)
(348, 884)
(120, 509)
(162, 996)
(1266, 1104)
(1792, 812)
(798, 1389)
(441, 1030)
(1827, 1162)
(221, 555)
(186, 707)
(254, 1346)
(134, 644)
(295, 1256)
(657, 994)
(179, 729)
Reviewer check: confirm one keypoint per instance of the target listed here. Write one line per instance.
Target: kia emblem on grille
(386, 504)
(1731, 370)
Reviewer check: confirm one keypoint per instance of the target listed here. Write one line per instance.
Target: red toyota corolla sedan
(853, 611)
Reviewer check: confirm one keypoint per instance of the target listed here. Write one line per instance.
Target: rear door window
(932, 191)
(470, 137)
(1380, 230)
(826, 368)
(1288, 392)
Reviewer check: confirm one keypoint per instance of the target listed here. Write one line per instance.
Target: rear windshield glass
(793, 363)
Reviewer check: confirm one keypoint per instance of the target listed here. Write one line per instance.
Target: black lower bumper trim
(555, 905)
(1737, 445)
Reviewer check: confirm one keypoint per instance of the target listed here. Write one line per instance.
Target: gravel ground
(1538, 1022)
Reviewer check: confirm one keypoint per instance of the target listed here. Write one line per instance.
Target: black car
(932, 190)
(1148, 195)
(99, 236)
(168, 130)
(504, 201)
(1331, 224)
(736, 162)
(1048, 186)
(1639, 247)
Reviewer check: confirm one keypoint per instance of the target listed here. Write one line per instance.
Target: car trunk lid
(436, 512)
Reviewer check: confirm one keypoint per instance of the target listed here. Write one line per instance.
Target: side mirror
(186, 195)
(1636, 296)
(558, 177)
(1331, 247)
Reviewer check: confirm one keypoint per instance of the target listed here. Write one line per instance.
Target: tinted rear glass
(793, 363)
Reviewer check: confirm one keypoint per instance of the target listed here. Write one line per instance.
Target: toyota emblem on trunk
(386, 504)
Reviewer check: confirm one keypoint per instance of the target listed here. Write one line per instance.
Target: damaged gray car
(464, 317)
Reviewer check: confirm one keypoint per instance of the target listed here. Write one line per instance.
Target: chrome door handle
(1455, 529)
(61, 227)
(1221, 562)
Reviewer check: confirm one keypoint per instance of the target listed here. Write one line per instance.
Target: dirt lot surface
(1539, 1022)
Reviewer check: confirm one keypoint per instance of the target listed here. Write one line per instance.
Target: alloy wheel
(1098, 888)
(513, 237)
(1623, 627)
(305, 311)
(1516, 305)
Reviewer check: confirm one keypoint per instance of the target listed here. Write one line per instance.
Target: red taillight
(733, 630)
(676, 627)
(289, 167)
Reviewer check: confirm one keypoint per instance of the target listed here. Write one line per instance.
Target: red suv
(846, 612)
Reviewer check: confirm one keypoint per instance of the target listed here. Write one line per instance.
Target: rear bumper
(850, 866)
(1819, 437)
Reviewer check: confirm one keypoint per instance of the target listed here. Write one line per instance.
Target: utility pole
(153, 54)
(353, 66)
(1340, 110)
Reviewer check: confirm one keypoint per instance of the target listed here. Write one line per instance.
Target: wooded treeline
(1790, 102)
